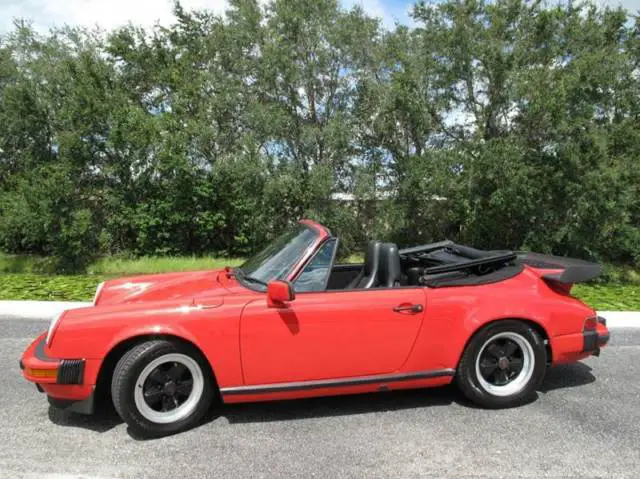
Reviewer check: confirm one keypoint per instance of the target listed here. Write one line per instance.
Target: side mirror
(279, 292)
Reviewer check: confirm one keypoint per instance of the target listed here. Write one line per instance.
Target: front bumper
(38, 367)
(63, 380)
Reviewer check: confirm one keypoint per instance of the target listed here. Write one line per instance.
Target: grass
(82, 287)
(116, 266)
(31, 277)
(149, 265)
(26, 277)
(48, 287)
(609, 297)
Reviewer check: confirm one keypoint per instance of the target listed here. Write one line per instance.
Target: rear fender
(476, 323)
(454, 315)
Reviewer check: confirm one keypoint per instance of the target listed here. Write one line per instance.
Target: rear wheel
(503, 365)
(161, 387)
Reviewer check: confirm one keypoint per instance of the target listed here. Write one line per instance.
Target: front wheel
(503, 365)
(161, 387)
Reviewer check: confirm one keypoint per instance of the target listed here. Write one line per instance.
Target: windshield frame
(321, 234)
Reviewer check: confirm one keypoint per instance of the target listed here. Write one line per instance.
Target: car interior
(433, 265)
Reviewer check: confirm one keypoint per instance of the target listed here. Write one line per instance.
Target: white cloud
(373, 8)
(112, 13)
(107, 14)
(632, 6)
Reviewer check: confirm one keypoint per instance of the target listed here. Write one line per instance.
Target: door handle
(206, 306)
(413, 308)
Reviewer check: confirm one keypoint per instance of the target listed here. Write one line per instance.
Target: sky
(112, 13)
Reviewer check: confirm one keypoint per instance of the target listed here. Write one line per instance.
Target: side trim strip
(335, 383)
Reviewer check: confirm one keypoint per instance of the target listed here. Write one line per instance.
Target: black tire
(127, 373)
(476, 388)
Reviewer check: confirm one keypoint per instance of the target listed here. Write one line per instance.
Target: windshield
(277, 259)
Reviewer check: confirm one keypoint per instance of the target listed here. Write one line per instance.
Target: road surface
(585, 422)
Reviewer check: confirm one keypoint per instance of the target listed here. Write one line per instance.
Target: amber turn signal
(41, 373)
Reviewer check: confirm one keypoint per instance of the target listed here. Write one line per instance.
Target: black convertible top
(446, 263)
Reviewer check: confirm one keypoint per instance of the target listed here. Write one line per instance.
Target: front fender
(155, 330)
(213, 329)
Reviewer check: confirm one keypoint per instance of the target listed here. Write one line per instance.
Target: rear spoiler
(573, 270)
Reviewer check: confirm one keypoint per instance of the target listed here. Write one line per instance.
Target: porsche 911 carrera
(291, 323)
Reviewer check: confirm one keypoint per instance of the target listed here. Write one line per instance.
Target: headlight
(52, 327)
(97, 295)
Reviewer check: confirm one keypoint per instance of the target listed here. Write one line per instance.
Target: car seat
(390, 271)
(368, 277)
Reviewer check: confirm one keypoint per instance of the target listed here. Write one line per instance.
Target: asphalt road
(585, 423)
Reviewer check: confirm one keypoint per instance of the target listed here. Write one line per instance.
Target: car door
(330, 334)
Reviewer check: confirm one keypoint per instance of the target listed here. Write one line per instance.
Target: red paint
(279, 294)
(315, 336)
(328, 335)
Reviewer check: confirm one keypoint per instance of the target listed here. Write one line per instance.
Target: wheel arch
(105, 372)
(535, 324)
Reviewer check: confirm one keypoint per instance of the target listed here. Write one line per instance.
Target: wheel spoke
(156, 376)
(169, 403)
(501, 377)
(510, 348)
(488, 366)
(152, 396)
(515, 365)
(185, 387)
(177, 371)
(494, 350)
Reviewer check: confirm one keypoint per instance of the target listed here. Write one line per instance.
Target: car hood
(169, 286)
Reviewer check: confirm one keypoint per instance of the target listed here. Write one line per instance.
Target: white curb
(621, 319)
(48, 309)
(36, 309)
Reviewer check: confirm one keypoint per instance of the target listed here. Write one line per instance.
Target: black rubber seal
(71, 371)
(590, 341)
(41, 355)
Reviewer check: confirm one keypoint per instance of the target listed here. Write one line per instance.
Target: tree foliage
(501, 124)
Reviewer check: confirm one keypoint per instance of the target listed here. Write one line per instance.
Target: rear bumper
(594, 340)
(573, 347)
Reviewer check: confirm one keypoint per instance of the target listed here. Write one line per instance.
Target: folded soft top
(445, 263)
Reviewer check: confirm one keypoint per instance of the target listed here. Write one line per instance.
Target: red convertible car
(289, 323)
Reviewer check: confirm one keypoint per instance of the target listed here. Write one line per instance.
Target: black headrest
(372, 257)
(389, 271)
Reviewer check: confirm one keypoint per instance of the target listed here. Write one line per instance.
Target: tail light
(590, 324)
